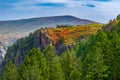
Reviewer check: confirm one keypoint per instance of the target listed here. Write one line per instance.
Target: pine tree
(94, 66)
(118, 17)
(34, 66)
(114, 62)
(10, 72)
(55, 70)
(71, 65)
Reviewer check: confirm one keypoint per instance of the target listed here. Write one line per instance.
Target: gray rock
(2, 52)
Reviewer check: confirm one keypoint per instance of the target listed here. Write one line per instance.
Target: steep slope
(63, 38)
(14, 29)
(101, 53)
(97, 58)
(2, 52)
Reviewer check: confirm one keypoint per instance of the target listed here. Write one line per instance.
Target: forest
(96, 58)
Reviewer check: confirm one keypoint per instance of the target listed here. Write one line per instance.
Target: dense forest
(97, 58)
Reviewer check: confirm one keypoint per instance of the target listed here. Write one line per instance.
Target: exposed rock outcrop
(2, 52)
(42, 40)
(39, 39)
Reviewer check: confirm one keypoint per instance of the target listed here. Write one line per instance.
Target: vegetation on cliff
(97, 58)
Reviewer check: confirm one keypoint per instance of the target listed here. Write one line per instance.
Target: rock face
(107, 28)
(18, 51)
(2, 52)
(42, 40)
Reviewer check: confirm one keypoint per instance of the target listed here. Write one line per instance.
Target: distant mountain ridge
(49, 17)
(13, 29)
(46, 21)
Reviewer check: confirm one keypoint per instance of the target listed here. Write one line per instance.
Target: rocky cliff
(38, 39)
(2, 52)
(62, 38)
(42, 40)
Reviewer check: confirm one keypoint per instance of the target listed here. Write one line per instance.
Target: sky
(96, 10)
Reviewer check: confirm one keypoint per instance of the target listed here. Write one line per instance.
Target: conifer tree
(10, 72)
(53, 64)
(34, 67)
(71, 65)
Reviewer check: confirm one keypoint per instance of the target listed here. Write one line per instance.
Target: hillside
(61, 37)
(14, 29)
(95, 55)
(68, 34)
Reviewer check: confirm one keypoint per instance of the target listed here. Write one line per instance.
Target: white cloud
(102, 12)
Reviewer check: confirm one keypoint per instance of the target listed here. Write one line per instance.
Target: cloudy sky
(96, 10)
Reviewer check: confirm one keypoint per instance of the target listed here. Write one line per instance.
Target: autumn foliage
(70, 34)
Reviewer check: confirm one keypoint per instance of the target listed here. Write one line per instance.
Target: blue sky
(96, 10)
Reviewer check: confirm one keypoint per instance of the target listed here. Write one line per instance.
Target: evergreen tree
(94, 66)
(55, 70)
(118, 17)
(34, 66)
(10, 72)
(71, 65)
